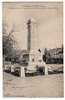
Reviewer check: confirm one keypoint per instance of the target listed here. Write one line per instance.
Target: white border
(30, 0)
(1, 74)
(1, 49)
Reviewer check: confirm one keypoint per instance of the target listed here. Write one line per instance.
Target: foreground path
(37, 86)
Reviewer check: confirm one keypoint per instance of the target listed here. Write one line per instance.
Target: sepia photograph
(33, 49)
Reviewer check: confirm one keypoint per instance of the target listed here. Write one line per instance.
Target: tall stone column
(33, 47)
(29, 35)
(32, 40)
(31, 43)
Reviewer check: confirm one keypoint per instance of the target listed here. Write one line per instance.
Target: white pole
(12, 68)
(22, 73)
(46, 69)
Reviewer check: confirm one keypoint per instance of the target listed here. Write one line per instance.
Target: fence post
(22, 71)
(46, 68)
(12, 68)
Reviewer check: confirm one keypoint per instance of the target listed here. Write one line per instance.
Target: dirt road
(37, 86)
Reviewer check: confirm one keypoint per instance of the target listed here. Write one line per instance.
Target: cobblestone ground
(37, 86)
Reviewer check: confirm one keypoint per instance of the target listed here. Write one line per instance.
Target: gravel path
(37, 86)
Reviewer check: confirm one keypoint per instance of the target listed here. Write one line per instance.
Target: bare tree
(8, 42)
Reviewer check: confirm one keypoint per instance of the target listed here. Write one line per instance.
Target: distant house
(54, 56)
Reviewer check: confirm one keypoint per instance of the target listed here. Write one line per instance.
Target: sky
(47, 23)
